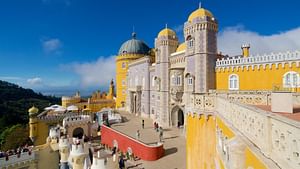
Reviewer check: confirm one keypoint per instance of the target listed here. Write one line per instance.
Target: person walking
(143, 123)
(137, 134)
(160, 134)
(154, 124)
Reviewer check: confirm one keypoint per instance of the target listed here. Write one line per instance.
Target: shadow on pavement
(170, 151)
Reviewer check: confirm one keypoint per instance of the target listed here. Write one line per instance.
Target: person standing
(137, 134)
(160, 134)
(121, 162)
(143, 123)
(114, 153)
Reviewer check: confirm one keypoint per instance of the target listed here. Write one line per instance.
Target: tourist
(114, 153)
(137, 135)
(121, 162)
(154, 125)
(160, 134)
(143, 123)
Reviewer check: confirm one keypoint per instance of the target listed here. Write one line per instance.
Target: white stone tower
(165, 44)
(200, 32)
(64, 152)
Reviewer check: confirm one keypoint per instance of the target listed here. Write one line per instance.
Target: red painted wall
(139, 149)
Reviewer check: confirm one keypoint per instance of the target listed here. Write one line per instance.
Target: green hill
(15, 102)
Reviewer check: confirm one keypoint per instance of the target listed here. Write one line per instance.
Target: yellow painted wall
(121, 74)
(225, 129)
(257, 79)
(47, 158)
(253, 161)
(201, 142)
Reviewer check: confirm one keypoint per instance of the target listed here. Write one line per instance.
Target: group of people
(17, 151)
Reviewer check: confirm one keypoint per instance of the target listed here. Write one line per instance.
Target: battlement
(258, 59)
(76, 119)
(15, 159)
(245, 46)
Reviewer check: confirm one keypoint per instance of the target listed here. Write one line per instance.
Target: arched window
(153, 81)
(190, 41)
(123, 65)
(190, 80)
(233, 82)
(173, 79)
(291, 79)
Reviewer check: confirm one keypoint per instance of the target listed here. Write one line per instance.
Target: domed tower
(165, 44)
(130, 50)
(200, 33)
(33, 123)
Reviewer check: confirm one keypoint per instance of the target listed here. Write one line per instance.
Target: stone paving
(174, 144)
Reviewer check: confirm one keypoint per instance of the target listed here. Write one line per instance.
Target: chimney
(245, 48)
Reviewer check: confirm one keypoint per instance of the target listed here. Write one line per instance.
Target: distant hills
(15, 102)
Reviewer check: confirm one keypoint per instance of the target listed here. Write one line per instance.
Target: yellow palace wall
(121, 74)
(256, 79)
(201, 144)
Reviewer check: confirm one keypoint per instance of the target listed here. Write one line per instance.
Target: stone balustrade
(23, 158)
(258, 59)
(276, 137)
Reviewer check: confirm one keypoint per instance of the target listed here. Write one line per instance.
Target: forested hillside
(15, 102)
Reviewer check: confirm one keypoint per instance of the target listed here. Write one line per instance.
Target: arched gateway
(177, 117)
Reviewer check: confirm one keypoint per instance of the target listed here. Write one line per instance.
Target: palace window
(153, 81)
(176, 80)
(123, 82)
(190, 80)
(291, 79)
(190, 41)
(233, 82)
(123, 65)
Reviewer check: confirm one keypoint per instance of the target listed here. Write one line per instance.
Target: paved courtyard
(174, 143)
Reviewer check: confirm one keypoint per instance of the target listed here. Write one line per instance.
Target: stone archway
(177, 117)
(78, 132)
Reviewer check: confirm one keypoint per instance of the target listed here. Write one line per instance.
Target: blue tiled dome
(134, 46)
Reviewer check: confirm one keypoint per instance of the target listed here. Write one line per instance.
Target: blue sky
(60, 46)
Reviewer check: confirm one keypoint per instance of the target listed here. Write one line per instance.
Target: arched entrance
(177, 117)
(78, 132)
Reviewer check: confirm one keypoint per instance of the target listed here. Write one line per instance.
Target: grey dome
(134, 46)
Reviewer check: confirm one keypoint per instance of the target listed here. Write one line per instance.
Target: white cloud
(52, 45)
(34, 81)
(231, 38)
(97, 73)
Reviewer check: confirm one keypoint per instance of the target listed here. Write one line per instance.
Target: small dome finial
(166, 25)
(200, 5)
(133, 33)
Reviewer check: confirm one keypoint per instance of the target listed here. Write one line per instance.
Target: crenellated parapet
(24, 159)
(259, 61)
(76, 120)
